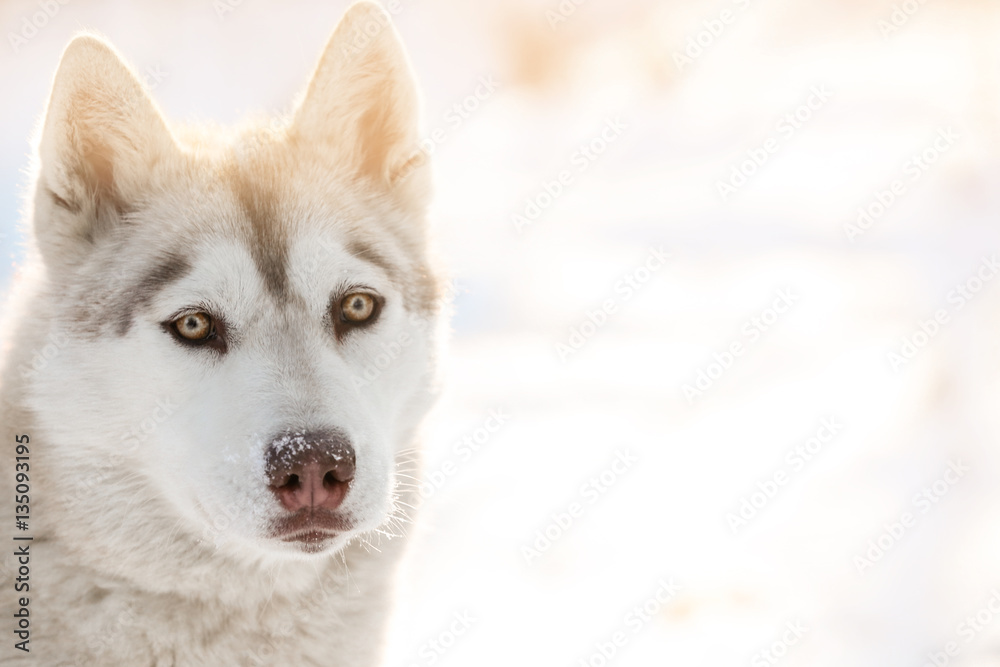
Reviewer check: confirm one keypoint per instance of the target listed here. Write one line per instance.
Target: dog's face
(245, 324)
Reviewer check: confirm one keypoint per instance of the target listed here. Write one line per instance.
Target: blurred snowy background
(787, 429)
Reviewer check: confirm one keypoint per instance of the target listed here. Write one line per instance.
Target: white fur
(149, 504)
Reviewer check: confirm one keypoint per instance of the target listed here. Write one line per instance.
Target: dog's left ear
(362, 105)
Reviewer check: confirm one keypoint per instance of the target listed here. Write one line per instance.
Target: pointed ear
(101, 136)
(362, 105)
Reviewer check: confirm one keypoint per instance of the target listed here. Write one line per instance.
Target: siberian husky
(217, 358)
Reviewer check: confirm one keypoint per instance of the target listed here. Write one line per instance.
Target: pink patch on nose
(314, 486)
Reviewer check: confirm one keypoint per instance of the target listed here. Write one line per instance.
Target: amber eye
(194, 326)
(357, 307)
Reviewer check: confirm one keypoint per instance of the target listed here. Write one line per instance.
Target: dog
(219, 353)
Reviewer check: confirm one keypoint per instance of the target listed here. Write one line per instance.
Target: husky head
(245, 320)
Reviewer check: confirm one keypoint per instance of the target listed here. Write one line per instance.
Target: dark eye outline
(341, 324)
(216, 338)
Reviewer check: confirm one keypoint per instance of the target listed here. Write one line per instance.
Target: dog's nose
(310, 470)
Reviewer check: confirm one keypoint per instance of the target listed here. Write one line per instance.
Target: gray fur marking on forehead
(257, 195)
(168, 269)
(261, 180)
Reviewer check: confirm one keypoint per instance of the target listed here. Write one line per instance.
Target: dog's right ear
(101, 137)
